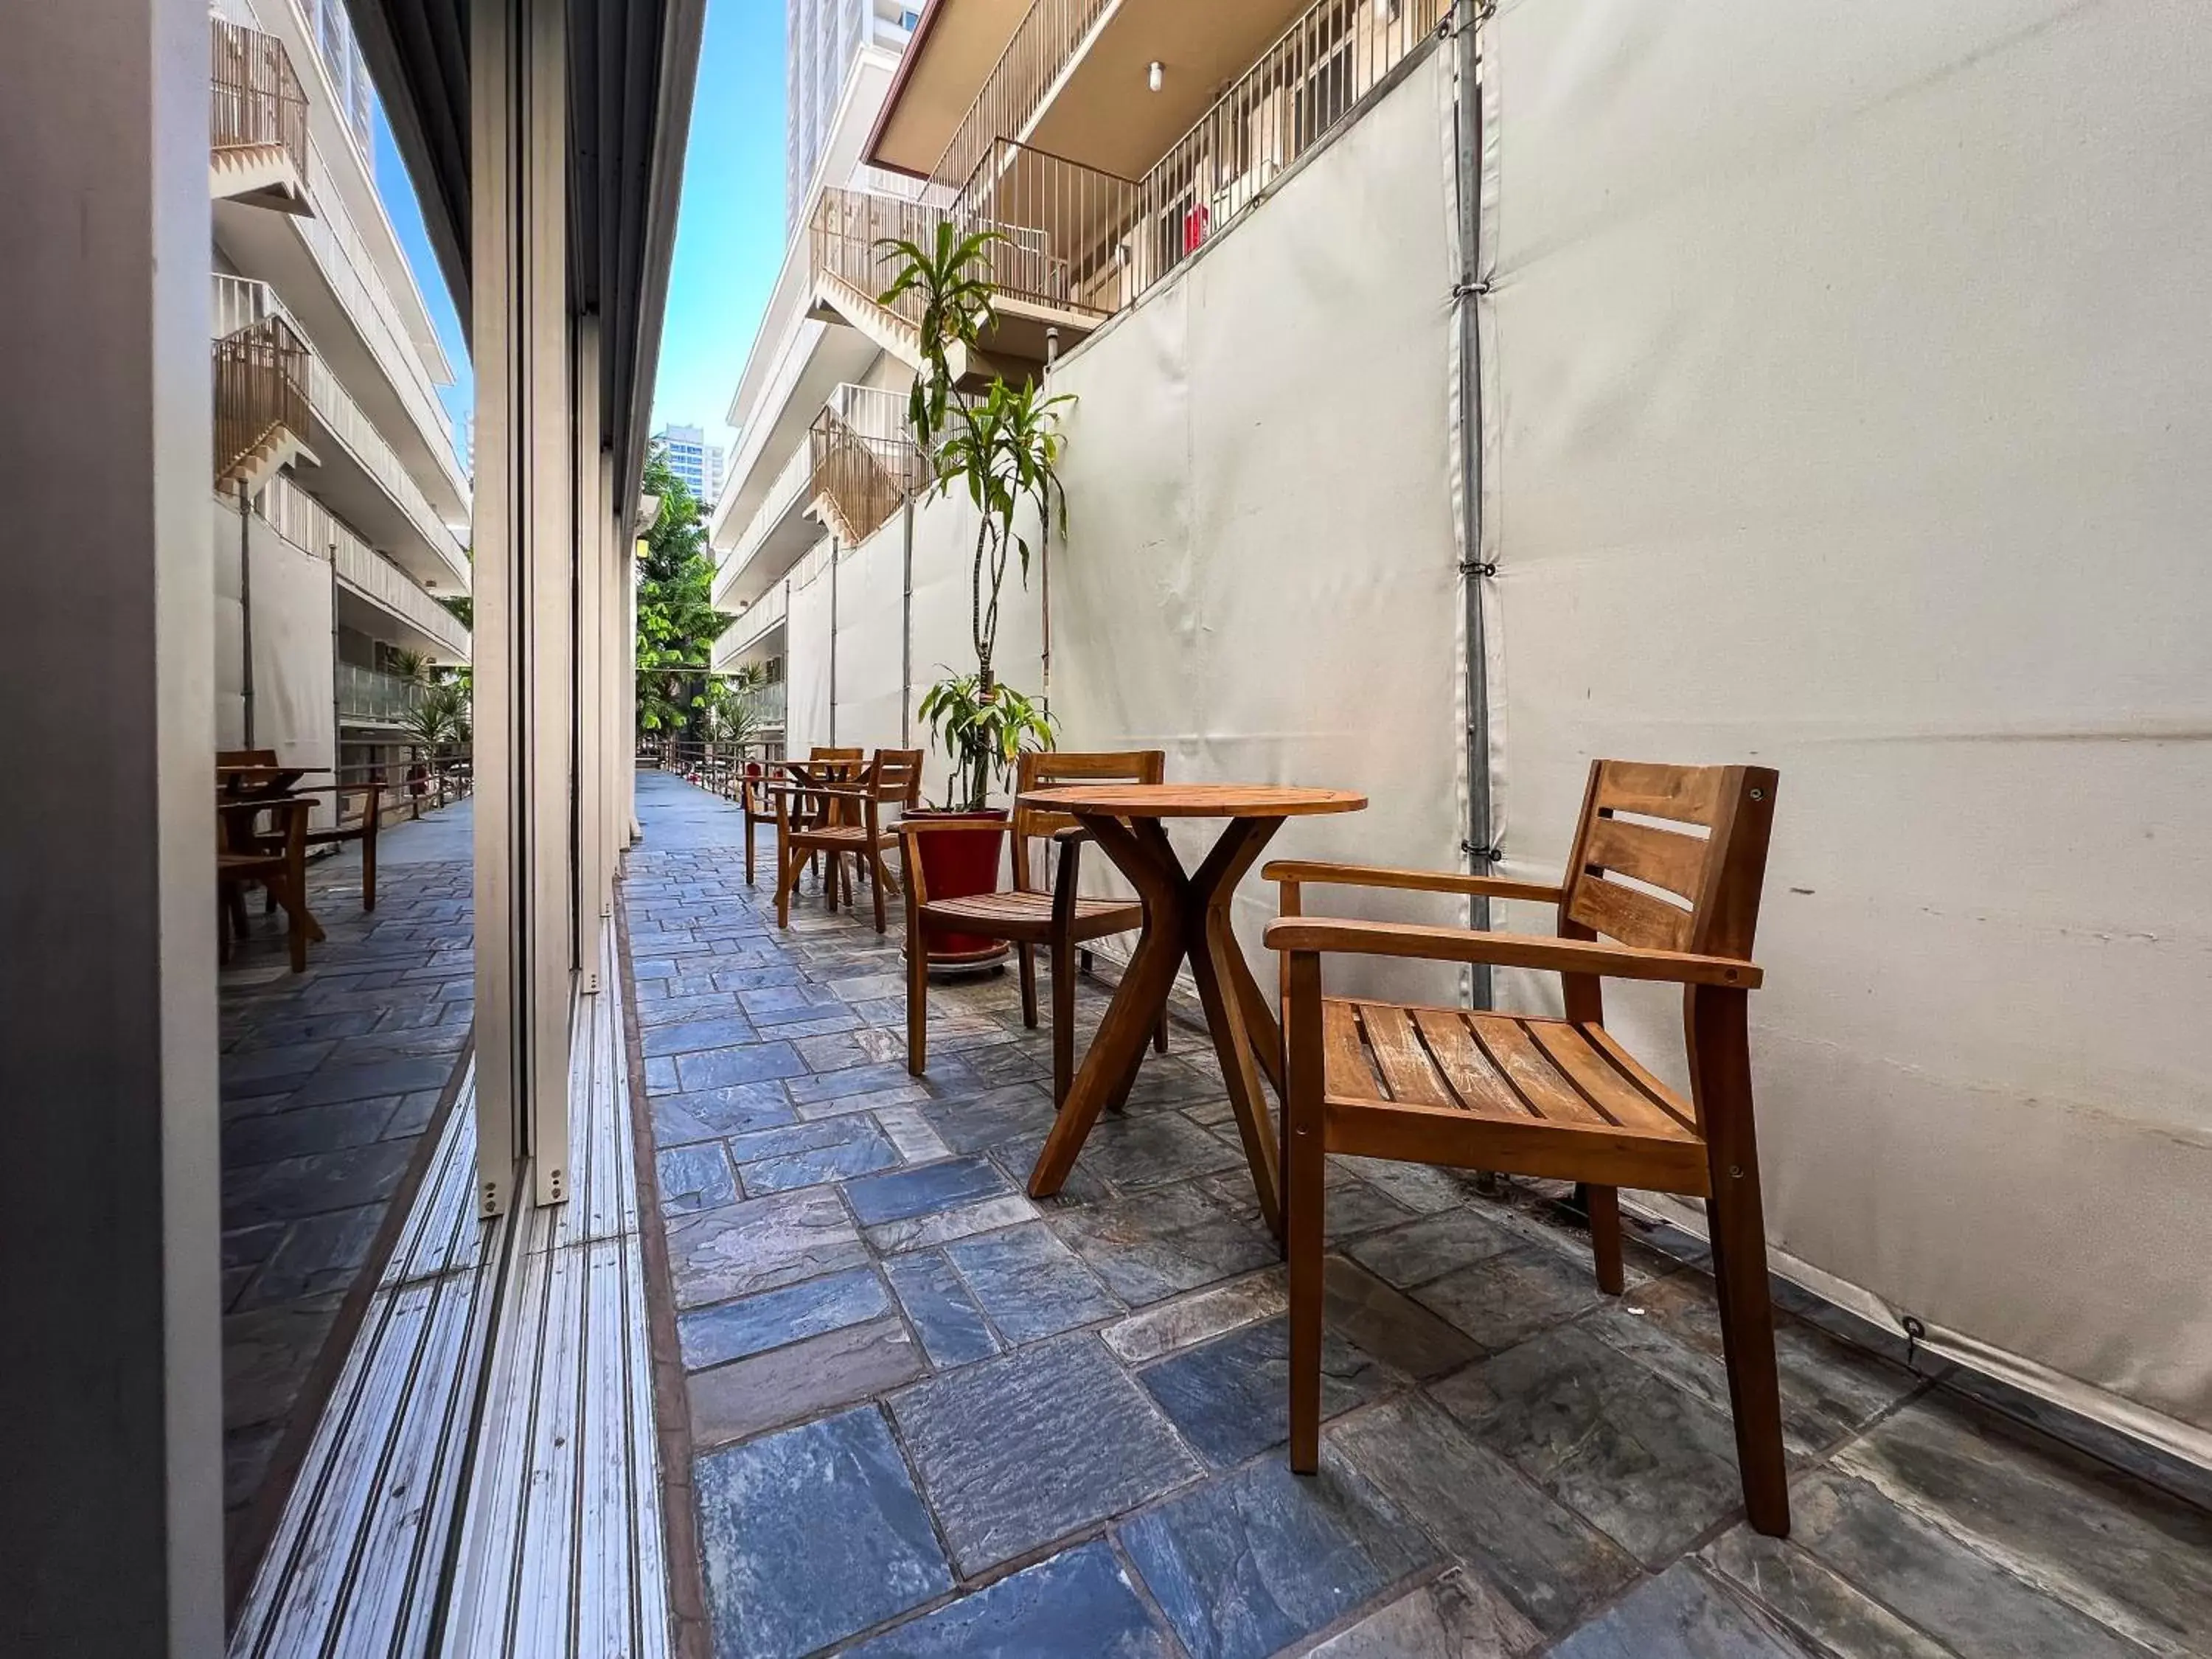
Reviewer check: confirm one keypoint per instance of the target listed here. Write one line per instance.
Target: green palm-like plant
(956, 305)
(984, 728)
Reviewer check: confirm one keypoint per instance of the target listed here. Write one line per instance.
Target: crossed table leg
(1185, 915)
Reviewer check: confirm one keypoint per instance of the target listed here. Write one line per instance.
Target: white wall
(1850, 416)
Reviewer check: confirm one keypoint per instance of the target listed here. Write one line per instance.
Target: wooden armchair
(1054, 915)
(278, 862)
(1558, 1098)
(839, 818)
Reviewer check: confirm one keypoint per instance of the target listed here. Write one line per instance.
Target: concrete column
(111, 1459)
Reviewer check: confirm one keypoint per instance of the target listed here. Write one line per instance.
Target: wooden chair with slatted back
(1051, 913)
(1662, 884)
(848, 818)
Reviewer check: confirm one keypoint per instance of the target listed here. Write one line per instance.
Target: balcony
(759, 625)
(261, 372)
(354, 469)
(368, 696)
(257, 121)
(375, 596)
(864, 468)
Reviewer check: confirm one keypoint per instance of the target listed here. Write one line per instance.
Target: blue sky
(729, 235)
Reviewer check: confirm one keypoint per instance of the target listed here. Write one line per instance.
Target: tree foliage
(677, 622)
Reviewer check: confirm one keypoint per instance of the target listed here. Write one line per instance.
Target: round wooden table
(1186, 915)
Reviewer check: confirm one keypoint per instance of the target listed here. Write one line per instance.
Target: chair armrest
(1305, 872)
(1564, 956)
(917, 884)
(1070, 833)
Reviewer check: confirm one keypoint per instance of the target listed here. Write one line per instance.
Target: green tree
(677, 622)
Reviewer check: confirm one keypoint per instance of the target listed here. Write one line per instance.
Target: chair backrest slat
(1045, 771)
(1643, 873)
(895, 774)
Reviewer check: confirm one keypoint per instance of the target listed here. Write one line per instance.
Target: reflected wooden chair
(839, 819)
(1050, 912)
(1662, 884)
(278, 862)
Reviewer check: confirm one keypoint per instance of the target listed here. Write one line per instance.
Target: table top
(1194, 801)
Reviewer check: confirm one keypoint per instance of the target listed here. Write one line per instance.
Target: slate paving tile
(1550, 1564)
(1078, 1604)
(829, 1088)
(306, 1029)
(713, 1068)
(1140, 1151)
(2131, 1555)
(1029, 1284)
(269, 1136)
(808, 1154)
(1418, 1187)
(1153, 1244)
(734, 1109)
(1510, 1297)
(1434, 1246)
(1167, 1328)
(1949, 1591)
(812, 1535)
(928, 1189)
(981, 1435)
(952, 1328)
(1246, 1565)
(1812, 1599)
(688, 1036)
(713, 1336)
(1230, 1397)
(277, 1061)
(387, 1077)
(1454, 1617)
(926, 1232)
(717, 1255)
(314, 1184)
(976, 1122)
(318, 1257)
(1390, 1325)
(2150, 1463)
(814, 1025)
(1680, 1614)
(909, 1131)
(1829, 1389)
(413, 1114)
(266, 1356)
(777, 1386)
(1649, 1464)
(694, 1177)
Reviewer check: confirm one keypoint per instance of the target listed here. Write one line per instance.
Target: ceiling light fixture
(1154, 75)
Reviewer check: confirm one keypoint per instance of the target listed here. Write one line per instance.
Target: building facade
(342, 504)
(701, 464)
(823, 38)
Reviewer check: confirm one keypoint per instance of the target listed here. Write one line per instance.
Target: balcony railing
(308, 525)
(368, 694)
(787, 492)
(239, 299)
(871, 411)
(1023, 262)
(254, 96)
(261, 376)
(1043, 45)
(861, 480)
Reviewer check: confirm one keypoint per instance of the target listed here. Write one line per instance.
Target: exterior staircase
(858, 482)
(262, 411)
(259, 175)
(257, 121)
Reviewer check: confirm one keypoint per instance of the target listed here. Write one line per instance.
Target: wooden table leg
(1216, 961)
(1119, 1047)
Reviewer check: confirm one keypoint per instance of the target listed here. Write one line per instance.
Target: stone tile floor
(931, 1417)
(329, 1079)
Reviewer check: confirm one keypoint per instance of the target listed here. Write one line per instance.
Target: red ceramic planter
(959, 865)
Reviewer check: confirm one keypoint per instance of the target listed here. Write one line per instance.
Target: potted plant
(1002, 450)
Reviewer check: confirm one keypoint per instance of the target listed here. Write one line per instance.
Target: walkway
(330, 1078)
(929, 1417)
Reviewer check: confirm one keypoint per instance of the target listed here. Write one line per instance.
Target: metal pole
(1481, 843)
(833, 641)
(906, 631)
(246, 606)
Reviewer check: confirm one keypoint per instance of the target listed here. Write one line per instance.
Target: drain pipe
(1480, 846)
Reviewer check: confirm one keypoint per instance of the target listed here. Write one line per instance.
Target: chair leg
(295, 924)
(1722, 1068)
(875, 885)
(1160, 1032)
(222, 927)
(1303, 1155)
(788, 865)
(917, 997)
(369, 867)
(1063, 1024)
(1086, 962)
(1603, 1207)
(1026, 956)
(749, 849)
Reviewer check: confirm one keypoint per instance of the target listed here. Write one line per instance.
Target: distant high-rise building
(695, 461)
(822, 39)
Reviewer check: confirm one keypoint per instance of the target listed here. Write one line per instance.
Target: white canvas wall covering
(1261, 576)
(229, 630)
(870, 616)
(944, 527)
(294, 675)
(806, 663)
(1849, 418)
